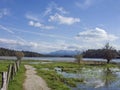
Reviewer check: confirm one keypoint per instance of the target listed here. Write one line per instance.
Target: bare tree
(109, 53)
(78, 58)
(19, 55)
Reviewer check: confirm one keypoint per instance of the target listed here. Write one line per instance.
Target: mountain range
(64, 53)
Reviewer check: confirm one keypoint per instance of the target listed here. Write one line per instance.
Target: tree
(19, 55)
(78, 58)
(109, 52)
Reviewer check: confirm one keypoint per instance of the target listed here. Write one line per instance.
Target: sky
(49, 25)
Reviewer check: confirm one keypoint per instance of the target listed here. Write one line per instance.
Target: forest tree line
(90, 53)
(97, 53)
(9, 52)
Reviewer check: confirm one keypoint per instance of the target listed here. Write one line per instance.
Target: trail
(33, 81)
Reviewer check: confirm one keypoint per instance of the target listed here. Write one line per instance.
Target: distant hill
(9, 52)
(65, 53)
(33, 54)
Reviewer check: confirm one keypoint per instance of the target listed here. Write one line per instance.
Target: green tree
(19, 55)
(109, 53)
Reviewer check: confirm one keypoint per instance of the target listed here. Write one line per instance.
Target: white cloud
(42, 34)
(62, 10)
(35, 46)
(4, 12)
(63, 20)
(31, 23)
(36, 22)
(53, 13)
(6, 29)
(11, 32)
(32, 17)
(53, 7)
(49, 46)
(39, 25)
(48, 10)
(10, 41)
(16, 44)
(46, 47)
(96, 34)
(85, 4)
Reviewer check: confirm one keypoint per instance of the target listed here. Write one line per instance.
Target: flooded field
(81, 77)
(102, 78)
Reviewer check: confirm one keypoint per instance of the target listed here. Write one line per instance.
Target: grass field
(15, 84)
(54, 80)
(4, 67)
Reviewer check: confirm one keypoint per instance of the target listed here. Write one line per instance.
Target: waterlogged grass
(54, 80)
(62, 65)
(17, 83)
(72, 81)
(58, 82)
(65, 66)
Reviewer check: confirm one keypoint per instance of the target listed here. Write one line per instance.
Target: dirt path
(33, 81)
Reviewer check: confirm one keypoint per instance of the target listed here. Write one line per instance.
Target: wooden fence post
(15, 68)
(17, 62)
(4, 81)
(12, 72)
(9, 73)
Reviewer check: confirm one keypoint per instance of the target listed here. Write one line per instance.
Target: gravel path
(33, 81)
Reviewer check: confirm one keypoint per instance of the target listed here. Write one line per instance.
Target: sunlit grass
(17, 83)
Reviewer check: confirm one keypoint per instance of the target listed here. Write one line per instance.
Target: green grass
(58, 82)
(17, 83)
(66, 66)
(54, 80)
(3, 67)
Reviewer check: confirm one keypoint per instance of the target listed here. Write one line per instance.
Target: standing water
(96, 78)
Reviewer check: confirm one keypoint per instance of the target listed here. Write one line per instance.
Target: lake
(66, 59)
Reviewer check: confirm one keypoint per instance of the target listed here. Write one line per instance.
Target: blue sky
(49, 25)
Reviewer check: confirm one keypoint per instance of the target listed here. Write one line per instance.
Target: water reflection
(110, 77)
(96, 78)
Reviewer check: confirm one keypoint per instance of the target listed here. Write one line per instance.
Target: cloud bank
(39, 25)
(96, 34)
(63, 20)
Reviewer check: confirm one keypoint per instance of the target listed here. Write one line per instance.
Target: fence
(9, 75)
